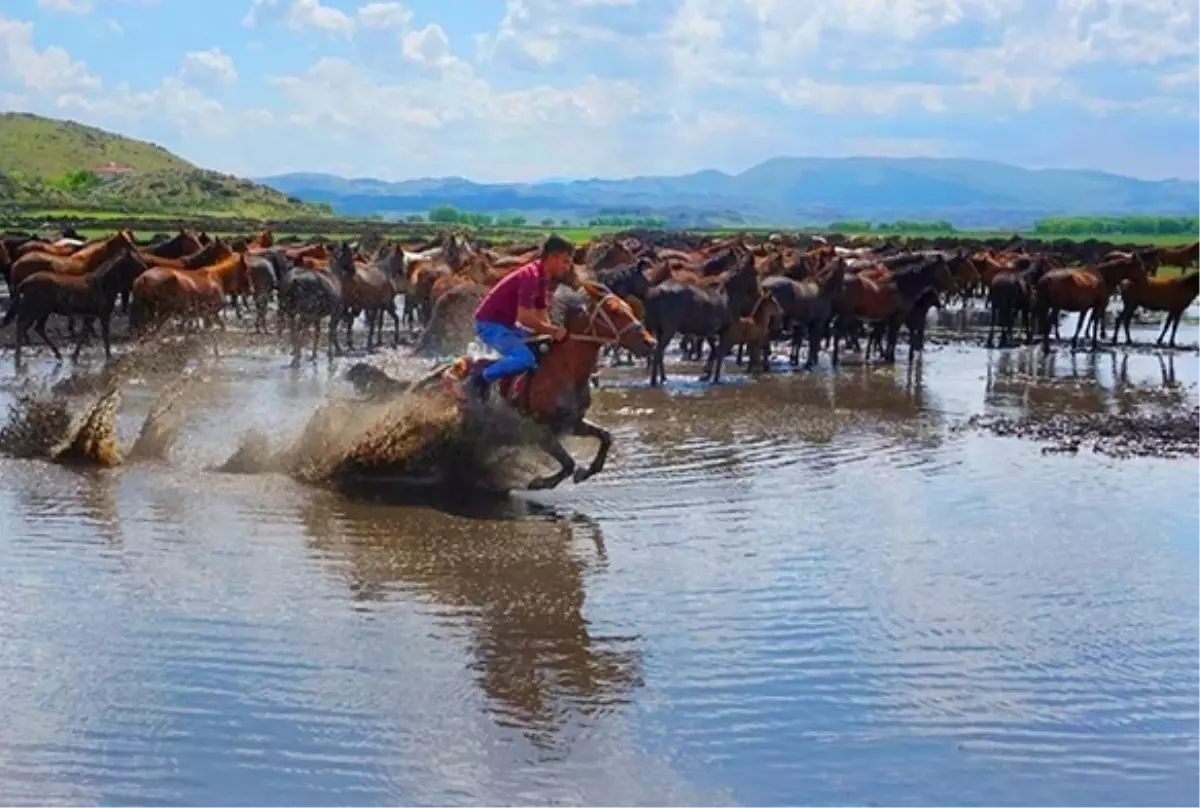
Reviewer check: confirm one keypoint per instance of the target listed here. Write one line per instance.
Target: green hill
(49, 164)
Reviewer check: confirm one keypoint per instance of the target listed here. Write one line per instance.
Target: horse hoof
(580, 475)
(542, 484)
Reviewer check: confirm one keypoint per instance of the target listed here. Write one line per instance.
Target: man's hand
(560, 333)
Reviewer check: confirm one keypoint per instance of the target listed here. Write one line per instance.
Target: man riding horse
(515, 307)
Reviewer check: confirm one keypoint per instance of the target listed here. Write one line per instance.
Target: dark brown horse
(556, 396)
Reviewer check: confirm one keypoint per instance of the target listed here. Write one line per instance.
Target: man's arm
(536, 320)
(531, 309)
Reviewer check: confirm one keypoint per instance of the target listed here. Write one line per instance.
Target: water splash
(405, 443)
(94, 441)
(37, 421)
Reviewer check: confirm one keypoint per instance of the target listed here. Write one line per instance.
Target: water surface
(810, 588)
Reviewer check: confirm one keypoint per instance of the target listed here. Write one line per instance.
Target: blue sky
(522, 89)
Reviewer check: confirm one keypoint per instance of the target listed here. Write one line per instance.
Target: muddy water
(806, 589)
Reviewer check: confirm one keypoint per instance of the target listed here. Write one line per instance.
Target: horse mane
(567, 301)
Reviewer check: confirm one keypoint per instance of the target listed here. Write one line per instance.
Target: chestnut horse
(556, 396)
(1082, 289)
(162, 293)
(1172, 295)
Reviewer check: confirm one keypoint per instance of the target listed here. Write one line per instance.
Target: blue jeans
(515, 356)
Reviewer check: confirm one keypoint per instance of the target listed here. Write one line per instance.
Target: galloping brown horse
(556, 395)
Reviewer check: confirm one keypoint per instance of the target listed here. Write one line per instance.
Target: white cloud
(48, 71)
(428, 45)
(84, 6)
(66, 6)
(383, 15)
(311, 14)
(301, 14)
(211, 63)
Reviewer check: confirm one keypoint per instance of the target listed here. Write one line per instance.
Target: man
(515, 306)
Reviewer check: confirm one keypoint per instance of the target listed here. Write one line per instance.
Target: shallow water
(810, 588)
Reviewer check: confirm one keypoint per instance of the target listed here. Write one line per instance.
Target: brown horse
(82, 262)
(556, 396)
(367, 289)
(216, 250)
(163, 293)
(183, 243)
(1082, 289)
(1172, 295)
(1183, 256)
(754, 332)
(92, 296)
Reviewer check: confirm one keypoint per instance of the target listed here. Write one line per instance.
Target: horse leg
(348, 318)
(586, 429)
(1083, 315)
(991, 326)
(22, 336)
(395, 324)
(41, 329)
(550, 444)
(1176, 316)
(1098, 323)
(893, 336)
(814, 345)
(84, 336)
(106, 335)
(658, 373)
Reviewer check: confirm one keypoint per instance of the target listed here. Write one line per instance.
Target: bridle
(598, 313)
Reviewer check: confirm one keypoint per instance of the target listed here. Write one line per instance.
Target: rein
(598, 312)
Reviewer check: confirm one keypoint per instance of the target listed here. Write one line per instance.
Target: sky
(518, 90)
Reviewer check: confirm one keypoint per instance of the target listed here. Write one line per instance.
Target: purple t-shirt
(523, 288)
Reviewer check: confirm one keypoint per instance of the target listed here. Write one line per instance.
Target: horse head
(611, 319)
(341, 259)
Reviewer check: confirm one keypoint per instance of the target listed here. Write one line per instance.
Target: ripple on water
(796, 590)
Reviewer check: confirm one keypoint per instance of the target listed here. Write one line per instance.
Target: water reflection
(1080, 384)
(515, 582)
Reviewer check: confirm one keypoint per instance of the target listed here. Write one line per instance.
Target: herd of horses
(633, 293)
(736, 292)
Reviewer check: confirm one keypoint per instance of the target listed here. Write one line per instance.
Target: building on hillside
(111, 169)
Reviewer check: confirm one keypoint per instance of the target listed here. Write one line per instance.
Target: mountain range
(783, 190)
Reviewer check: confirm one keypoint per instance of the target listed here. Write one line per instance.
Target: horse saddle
(511, 388)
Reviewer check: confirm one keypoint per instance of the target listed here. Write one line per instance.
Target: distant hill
(53, 164)
(784, 190)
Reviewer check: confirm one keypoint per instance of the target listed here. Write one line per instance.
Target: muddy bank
(1159, 434)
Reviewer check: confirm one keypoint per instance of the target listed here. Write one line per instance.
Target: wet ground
(810, 588)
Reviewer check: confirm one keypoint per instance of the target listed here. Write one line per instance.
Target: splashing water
(37, 421)
(407, 442)
(163, 422)
(94, 441)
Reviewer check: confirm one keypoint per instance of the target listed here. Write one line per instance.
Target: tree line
(1131, 225)
(448, 214)
(898, 226)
